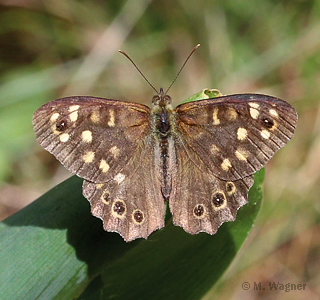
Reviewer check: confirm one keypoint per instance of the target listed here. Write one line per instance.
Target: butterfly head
(162, 99)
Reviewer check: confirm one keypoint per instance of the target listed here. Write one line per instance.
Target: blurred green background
(51, 49)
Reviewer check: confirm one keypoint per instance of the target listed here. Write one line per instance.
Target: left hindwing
(133, 205)
(232, 137)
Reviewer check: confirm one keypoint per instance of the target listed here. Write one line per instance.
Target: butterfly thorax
(162, 125)
(161, 114)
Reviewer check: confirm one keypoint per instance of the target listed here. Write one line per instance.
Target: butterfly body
(200, 156)
(163, 122)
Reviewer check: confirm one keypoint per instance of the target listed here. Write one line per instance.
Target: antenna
(128, 57)
(194, 49)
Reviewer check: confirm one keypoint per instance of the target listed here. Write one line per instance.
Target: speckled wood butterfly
(200, 156)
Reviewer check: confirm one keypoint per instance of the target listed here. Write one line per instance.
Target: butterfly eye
(155, 99)
(167, 98)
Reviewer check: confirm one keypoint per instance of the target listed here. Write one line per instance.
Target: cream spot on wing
(111, 121)
(241, 154)
(265, 134)
(54, 117)
(273, 112)
(73, 112)
(226, 164)
(73, 108)
(214, 149)
(242, 134)
(254, 112)
(231, 114)
(254, 105)
(54, 129)
(215, 119)
(87, 136)
(104, 166)
(88, 157)
(95, 116)
(64, 137)
(119, 178)
(115, 151)
(73, 116)
(99, 186)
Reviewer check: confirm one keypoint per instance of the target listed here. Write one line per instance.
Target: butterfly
(199, 156)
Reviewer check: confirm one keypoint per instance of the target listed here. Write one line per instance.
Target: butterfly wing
(133, 205)
(92, 137)
(219, 144)
(234, 136)
(200, 202)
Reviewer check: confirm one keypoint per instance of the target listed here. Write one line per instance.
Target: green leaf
(204, 94)
(55, 249)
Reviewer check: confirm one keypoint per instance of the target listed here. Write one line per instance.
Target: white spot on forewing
(73, 112)
(64, 137)
(254, 113)
(111, 121)
(265, 134)
(95, 116)
(254, 105)
(88, 157)
(54, 117)
(53, 128)
(215, 119)
(87, 136)
(115, 151)
(241, 155)
(273, 112)
(242, 134)
(226, 164)
(73, 116)
(104, 166)
(231, 114)
(73, 108)
(119, 178)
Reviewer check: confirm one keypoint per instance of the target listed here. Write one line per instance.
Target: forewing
(130, 204)
(92, 137)
(201, 202)
(234, 136)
